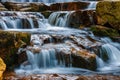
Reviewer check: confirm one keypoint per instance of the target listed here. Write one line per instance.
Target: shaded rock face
(82, 18)
(10, 42)
(109, 13)
(2, 68)
(67, 6)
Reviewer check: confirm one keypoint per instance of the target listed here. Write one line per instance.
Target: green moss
(104, 31)
(46, 13)
(109, 12)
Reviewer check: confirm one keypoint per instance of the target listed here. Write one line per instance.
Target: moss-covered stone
(109, 12)
(46, 13)
(10, 42)
(104, 31)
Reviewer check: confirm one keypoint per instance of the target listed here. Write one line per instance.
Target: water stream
(54, 43)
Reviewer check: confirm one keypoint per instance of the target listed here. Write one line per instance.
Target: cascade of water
(20, 20)
(109, 55)
(46, 58)
(92, 5)
(3, 25)
(60, 18)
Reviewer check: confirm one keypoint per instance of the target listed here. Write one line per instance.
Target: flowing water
(54, 42)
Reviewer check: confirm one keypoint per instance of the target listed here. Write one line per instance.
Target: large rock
(2, 68)
(84, 59)
(68, 6)
(109, 14)
(82, 18)
(10, 42)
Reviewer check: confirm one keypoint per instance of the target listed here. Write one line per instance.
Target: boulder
(108, 13)
(66, 6)
(83, 59)
(10, 42)
(2, 68)
(104, 31)
(82, 18)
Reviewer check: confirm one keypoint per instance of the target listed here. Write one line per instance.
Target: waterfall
(60, 18)
(46, 58)
(20, 20)
(92, 5)
(109, 57)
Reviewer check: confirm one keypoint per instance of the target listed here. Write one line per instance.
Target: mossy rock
(10, 42)
(46, 13)
(109, 12)
(104, 31)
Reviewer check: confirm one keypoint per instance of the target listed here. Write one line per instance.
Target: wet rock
(83, 59)
(104, 31)
(10, 42)
(2, 68)
(2, 8)
(109, 14)
(75, 19)
(67, 6)
(78, 20)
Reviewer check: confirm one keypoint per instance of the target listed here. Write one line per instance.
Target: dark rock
(104, 31)
(84, 59)
(82, 18)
